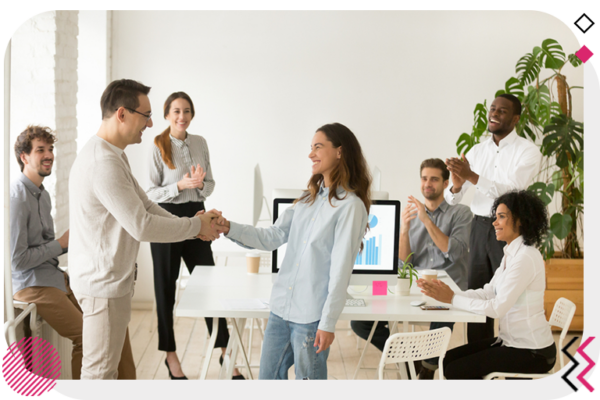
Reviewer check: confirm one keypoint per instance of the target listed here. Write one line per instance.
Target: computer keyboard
(355, 303)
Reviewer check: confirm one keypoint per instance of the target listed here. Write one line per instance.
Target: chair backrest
(562, 315)
(413, 346)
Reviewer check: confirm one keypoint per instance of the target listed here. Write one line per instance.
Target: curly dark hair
(530, 210)
(32, 132)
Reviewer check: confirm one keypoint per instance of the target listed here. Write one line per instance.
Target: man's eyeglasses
(137, 112)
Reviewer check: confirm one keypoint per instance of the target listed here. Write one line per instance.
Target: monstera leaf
(528, 67)
(563, 139)
(552, 55)
(480, 118)
(543, 191)
(574, 60)
(524, 126)
(464, 143)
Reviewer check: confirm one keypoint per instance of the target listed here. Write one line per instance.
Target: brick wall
(44, 92)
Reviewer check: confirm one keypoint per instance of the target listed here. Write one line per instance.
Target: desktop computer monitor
(378, 260)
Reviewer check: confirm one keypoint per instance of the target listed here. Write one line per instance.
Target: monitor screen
(380, 251)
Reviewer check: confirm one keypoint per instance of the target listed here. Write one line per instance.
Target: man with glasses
(110, 214)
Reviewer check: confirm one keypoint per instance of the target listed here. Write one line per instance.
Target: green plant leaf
(513, 86)
(480, 117)
(543, 191)
(574, 60)
(557, 179)
(561, 225)
(552, 55)
(547, 247)
(563, 138)
(528, 68)
(464, 143)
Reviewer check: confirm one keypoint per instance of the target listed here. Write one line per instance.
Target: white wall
(405, 83)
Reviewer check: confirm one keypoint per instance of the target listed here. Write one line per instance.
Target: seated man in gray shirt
(36, 277)
(438, 235)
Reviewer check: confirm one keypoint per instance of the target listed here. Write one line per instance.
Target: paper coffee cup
(252, 262)
(429, 274)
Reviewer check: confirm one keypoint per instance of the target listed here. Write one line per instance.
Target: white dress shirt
(323, 241)
(509, 166)
(516, 296)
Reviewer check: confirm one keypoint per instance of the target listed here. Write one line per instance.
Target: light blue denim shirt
(323, 241)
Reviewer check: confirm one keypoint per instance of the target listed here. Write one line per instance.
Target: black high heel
(174, 377)
(235, 377)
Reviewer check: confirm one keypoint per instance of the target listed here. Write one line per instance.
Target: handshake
(213, 224)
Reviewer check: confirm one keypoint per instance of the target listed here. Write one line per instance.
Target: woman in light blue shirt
(324, 231)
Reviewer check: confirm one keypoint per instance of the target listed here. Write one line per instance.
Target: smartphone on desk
(438, 308)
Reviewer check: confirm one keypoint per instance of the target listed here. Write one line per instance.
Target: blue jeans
(287, 343)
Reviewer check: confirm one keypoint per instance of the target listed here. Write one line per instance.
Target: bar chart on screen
(372, 250)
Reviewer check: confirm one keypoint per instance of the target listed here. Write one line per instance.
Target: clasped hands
(213, 224)
(193, 181)
(460, 168)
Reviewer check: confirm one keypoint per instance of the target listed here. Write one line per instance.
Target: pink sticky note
(379, 288)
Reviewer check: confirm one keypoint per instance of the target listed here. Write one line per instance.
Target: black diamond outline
(588, 18)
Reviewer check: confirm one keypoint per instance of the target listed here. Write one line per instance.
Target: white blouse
(515, 295)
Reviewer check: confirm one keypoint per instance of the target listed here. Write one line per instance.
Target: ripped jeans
(287, 343)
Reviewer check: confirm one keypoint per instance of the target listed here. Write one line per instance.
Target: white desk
(209, 285)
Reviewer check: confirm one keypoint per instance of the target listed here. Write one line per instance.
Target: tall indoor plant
(546, 119)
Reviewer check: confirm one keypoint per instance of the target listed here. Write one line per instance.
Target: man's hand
(408, 214)
(64, 240)
(460, 168)
(436, 289)
(196, 180)
(421, 210)
(323, 339)
(208, 230)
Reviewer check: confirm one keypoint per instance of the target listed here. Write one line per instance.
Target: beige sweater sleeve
(119, 192)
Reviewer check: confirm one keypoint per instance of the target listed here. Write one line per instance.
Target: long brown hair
(351, 173)
(163, 141)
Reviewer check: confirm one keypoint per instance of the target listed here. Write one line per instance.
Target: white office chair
(562, 315)
(414, 346)
(35, 321)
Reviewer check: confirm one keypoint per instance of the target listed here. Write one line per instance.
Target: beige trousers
(104, 334)
(62, 312)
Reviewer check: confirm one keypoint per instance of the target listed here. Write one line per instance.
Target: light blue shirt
(323, 241)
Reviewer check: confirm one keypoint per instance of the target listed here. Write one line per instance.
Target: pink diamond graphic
(584, 54)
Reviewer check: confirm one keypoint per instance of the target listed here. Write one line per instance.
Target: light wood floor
(191, 337)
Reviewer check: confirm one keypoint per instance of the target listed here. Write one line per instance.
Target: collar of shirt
(513, 247)
(324, 191)
(180, 143)
(32, 187)
(442, 207)
(508, 140)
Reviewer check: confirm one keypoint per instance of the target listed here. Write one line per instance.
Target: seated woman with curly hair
(515, 295)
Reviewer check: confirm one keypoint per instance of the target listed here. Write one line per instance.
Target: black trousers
(476, 360)
(485, 255)
(167, 260)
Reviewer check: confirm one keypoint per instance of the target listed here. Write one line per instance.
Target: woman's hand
(195, 181)
(323, 339)
(436, 289)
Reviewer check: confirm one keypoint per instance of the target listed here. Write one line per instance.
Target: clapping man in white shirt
(110, 215)
(503, 163)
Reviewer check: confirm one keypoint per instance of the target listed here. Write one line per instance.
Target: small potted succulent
(405, 277)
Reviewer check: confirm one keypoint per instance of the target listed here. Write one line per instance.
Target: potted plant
(546, 119)
(405, 277)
